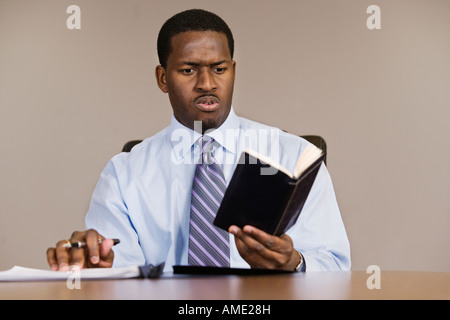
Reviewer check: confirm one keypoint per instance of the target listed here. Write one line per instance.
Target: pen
(81, 244)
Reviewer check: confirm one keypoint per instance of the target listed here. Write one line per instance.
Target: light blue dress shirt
(143, 197)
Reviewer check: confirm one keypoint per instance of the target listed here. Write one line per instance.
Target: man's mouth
(207, 103)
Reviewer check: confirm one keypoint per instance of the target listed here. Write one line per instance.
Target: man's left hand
(262, 250)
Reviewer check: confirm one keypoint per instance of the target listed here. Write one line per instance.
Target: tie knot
(207, 144)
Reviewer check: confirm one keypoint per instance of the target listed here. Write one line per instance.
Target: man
(150, 198)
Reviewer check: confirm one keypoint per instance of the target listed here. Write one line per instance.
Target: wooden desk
(328, 285)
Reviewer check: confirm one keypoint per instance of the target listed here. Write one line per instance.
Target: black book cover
(199, 270)
(271, 203)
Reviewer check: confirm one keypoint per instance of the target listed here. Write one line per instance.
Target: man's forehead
(199, 45)
(199, 34)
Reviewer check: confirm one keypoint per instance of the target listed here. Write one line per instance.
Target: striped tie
(208, 245)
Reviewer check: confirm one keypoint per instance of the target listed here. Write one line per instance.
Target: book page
(269, 161)
(307, 158)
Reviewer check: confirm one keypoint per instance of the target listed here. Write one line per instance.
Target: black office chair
(130, 144)
(318, 141)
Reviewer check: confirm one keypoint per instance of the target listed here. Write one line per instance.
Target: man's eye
(220, 70)
(187, 71)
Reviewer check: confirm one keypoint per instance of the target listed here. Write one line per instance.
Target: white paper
(18, 273)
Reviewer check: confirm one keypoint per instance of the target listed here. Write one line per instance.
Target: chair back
(318, 141)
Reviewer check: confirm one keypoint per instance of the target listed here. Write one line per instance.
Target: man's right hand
(93, 255)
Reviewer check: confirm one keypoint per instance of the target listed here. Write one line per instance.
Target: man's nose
(206, 81)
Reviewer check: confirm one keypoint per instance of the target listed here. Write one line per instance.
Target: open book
(271, 202)
(306, 159)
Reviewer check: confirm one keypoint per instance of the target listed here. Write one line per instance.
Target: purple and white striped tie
(208, 244)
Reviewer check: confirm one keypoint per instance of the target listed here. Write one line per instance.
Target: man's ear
(160, 74)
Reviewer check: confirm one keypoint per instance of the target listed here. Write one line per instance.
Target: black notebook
(267, 196)
(198, 270)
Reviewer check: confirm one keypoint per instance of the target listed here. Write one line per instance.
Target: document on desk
(18, 273)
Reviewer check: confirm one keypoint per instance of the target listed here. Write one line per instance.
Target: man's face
(199, 78)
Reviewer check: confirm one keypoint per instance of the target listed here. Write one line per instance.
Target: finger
(51, 259)
(256, 255)
(92, 237)
(243, 249)
(106, 254)
(77, 255)
(281, 244)
(280, 250)
(258, 248)
(245, 242)
(62, 255)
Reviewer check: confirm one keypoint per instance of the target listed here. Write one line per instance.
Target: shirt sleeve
(319, 233)
(108, 214)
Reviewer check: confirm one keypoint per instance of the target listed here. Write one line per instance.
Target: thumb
(106, 253)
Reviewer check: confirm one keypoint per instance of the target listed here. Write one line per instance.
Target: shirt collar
(183, 138)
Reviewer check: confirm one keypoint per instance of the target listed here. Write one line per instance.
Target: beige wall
(381, 98)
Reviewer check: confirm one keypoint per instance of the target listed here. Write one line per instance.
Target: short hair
(190, 20)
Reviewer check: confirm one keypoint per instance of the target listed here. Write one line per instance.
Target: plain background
(69, 99)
